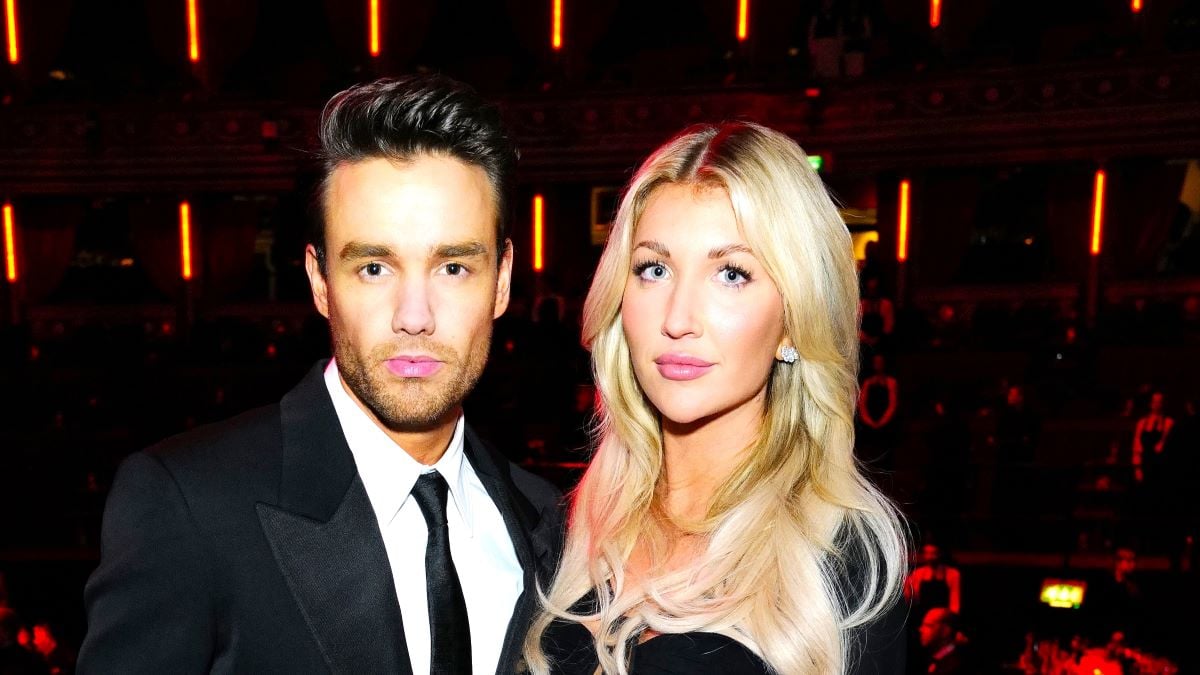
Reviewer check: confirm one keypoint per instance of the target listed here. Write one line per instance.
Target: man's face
(411, 285)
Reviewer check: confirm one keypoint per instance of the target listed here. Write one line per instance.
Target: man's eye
(373, 269)
(454, 269)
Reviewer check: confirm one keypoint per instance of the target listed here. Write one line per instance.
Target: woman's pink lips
(681, 368)
(414, 366)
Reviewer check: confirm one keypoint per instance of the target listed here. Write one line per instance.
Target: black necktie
(449, 633)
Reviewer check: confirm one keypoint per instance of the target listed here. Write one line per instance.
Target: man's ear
(504, 279)
(316, 280)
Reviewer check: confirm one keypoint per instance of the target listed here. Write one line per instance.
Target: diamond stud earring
(788, 354)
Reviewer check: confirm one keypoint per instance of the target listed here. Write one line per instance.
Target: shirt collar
(388, 472)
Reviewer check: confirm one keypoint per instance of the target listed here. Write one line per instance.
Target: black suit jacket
(251, 546)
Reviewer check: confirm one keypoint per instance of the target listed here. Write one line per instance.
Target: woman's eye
(733, 276)
(653, 272)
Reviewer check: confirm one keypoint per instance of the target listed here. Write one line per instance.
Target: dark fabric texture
(880, 649)
(251, 546)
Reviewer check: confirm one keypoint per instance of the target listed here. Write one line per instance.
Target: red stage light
(193, 31)
(10, 18)
(743, 24)
(935, 13)
(1097, 212)
(1136, 6)
(538, 223)
(556, 25)
(374, 28)
(902, 235)
(185, 238)
(10, 247)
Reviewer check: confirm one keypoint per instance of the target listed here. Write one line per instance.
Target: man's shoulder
(249, 429)
(539, 491)
(230, 444)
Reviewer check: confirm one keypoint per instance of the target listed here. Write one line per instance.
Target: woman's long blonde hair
(801, 550)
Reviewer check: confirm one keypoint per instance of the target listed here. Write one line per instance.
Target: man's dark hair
(402, 118)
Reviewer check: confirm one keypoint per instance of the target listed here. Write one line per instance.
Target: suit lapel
(342, 581)
(326, 540)
(531, 538)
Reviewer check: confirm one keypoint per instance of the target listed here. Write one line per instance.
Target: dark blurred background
(1022, 180)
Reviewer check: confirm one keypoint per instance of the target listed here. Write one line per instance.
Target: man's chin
(406, 414)
(409, 423)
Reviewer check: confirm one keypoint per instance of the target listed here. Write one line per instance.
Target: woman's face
(702, 319)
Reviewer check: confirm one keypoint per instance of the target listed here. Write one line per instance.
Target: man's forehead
(427, 202)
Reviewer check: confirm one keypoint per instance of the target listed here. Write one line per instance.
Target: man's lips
(414, 365)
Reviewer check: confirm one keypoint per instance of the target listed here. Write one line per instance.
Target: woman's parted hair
(802, 550)
(402, 118)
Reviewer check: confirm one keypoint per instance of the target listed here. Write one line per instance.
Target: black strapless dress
(569, 646)
(571, 652)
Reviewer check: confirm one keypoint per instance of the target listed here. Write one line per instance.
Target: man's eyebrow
(466, 249)
(656, 246)
(728, 250)
(358, 249)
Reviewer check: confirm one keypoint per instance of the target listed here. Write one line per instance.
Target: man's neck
(426, 445)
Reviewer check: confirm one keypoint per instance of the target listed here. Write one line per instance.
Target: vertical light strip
(193, 32)
(1136, 6)
(538, 224)
(743, 25)
(935, 13)
(373, 28)
(185, 238)
(556, 25)
(1097, 212)
(902, 235)
(10, 246)
(10, 20)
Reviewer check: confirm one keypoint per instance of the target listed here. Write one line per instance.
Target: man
(934, 582)
(358, 525)
(939, 634)
(14, 658)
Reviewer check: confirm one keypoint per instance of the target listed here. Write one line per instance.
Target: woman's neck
(699, 456)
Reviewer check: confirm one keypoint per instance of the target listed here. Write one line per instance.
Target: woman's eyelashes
(651, 270)
(733, 275)
(729, 274)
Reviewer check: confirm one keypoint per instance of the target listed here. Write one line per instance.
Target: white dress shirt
(484, 557)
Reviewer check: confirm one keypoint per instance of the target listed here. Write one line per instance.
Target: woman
(1150, 437)
(723, 525)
